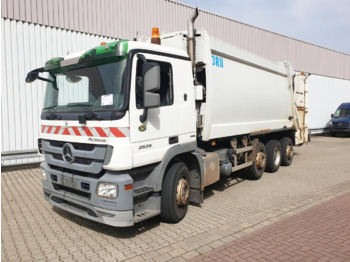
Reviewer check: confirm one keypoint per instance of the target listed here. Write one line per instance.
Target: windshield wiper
(49, 107)
(79, 104)
(89, 115)
(52, 115)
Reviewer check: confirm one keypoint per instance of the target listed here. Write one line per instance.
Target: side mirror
(73, 79)
(332, 115)
(151, 85)
(32, 76)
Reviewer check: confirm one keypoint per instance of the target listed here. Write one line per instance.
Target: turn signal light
(103, 43)
(128, 187)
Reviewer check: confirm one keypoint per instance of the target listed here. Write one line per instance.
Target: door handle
(173, 140)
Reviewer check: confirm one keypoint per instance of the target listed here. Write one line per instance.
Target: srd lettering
(217, 61)
(145, 146)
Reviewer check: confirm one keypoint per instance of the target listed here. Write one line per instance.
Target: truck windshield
(100, 88)
(343, 112)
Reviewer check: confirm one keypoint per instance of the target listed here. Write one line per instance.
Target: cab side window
(166, 83)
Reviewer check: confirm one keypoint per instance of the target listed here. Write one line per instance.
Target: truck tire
(274, 155)
(259, 165)
(287, 151)
(175, 193)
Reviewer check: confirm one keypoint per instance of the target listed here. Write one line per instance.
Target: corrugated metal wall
(123, 18)
(34, 31)
(25, 47)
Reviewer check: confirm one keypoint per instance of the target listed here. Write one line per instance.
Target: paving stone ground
(234, 209)
(321, 233)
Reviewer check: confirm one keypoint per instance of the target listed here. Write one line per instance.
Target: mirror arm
(45, 79)
(143, 117)
(142, 57)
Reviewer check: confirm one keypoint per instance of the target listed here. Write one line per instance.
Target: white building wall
(325, 95)
(26, 46)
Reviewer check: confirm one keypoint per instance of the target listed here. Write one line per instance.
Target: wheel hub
(183, 191)
(289, 152)
(277, 157)
(260, 160)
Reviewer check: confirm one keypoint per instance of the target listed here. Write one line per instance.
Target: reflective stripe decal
(76, 131)
(66, 132)
(101, 132)
(57, 130)
(87, 131)
(116, 132)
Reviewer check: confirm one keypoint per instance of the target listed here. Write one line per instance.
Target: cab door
(152, 138)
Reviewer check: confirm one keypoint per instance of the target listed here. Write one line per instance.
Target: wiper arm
(49, 107)
(89, 115)
(80, 104)
(52, 115)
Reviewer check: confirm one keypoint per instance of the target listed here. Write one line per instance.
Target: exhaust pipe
(190, 38)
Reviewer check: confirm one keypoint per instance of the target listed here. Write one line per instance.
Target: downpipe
(191, 40)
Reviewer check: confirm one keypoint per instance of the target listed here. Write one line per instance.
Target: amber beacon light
(155, 36)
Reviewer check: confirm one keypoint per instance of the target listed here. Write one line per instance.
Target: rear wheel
(175, 193)
(273, 153)
(287, 151)
(259, 165)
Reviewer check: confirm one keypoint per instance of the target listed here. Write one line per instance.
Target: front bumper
(338, 130)
(77, 194)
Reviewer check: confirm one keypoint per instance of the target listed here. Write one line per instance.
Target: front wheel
(175, 193)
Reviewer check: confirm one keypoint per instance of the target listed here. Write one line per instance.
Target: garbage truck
(136, 129)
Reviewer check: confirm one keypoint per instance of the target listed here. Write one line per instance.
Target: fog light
(44, 176)
(107, 190)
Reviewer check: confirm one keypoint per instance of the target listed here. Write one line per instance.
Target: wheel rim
(277, 157)
(182, 192)
(289, 152)
(260, 160)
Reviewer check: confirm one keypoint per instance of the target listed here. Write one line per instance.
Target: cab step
(140, 191)
(145, 214)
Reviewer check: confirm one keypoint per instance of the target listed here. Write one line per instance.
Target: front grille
(340, 124)
(72, 191)
(77, 172)
(79, 158)
(57, 156)
(78, 146)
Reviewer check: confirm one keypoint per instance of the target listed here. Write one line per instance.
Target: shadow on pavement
(225, 182)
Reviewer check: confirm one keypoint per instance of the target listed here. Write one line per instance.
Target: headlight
(329, 124)
(44, 176)
(107, 190)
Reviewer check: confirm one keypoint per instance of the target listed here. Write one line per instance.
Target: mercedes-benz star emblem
(67, 153)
